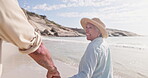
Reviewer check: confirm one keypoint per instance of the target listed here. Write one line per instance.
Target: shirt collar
(97, 39)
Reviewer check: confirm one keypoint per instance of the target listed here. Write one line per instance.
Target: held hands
(53, 73)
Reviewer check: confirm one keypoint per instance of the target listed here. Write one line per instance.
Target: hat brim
(102, 29)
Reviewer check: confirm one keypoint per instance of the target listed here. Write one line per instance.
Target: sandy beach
(17, 65)
(127, 63)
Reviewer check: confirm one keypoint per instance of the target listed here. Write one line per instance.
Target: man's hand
(54, 74)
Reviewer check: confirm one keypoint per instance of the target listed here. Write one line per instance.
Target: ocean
(129, 57)
(129, 54)
(71, 49)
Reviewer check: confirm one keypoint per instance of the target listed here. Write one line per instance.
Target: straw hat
(96, 22)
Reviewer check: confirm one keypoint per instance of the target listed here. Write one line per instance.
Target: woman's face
(92, 31)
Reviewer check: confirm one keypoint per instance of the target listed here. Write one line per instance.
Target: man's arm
(43, 58)
(15, 28)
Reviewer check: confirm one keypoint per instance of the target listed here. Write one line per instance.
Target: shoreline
(127, 63)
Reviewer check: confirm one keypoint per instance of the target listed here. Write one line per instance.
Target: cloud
(121, 11)
(72, 3)
(123, 14)
(27, 7)
(78, 14)
(116, 12)
(69, 1)
(46, 7)
(85, 1)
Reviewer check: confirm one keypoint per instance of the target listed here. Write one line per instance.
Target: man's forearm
(42, 60)
(42, 57)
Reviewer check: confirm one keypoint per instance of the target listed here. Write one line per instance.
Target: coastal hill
(111, 32)
(50, 28)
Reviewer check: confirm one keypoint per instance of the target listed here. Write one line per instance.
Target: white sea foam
(130, 42)
(140, 47)
(64, 40)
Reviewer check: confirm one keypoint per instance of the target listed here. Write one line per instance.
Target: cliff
(49, 28)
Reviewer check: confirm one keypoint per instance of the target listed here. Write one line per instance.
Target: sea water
(67, 49)
(71, 49)
(129, 54)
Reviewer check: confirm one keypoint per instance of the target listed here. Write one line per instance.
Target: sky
(129, 15)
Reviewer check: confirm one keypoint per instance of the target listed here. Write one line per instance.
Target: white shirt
(96, 62)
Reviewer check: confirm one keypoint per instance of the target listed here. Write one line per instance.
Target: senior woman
(96, 61)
